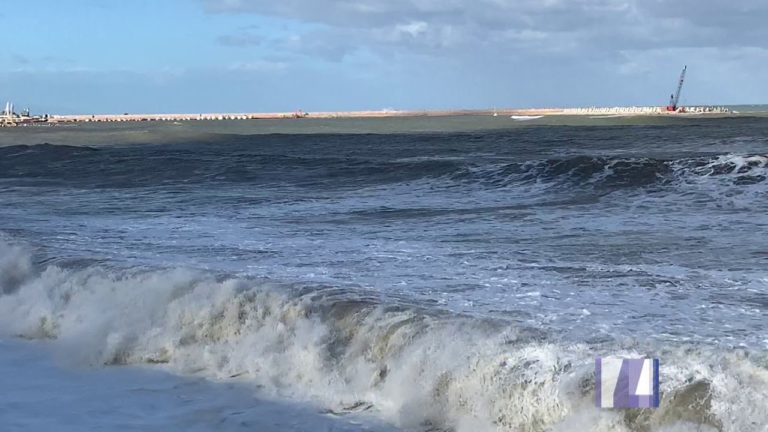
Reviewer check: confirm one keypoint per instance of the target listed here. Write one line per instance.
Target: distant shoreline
(588, 111)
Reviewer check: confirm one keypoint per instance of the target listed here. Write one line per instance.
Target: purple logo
(626, 383)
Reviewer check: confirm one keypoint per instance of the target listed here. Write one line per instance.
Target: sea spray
(15, 267)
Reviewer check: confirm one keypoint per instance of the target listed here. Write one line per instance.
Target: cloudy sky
(100, 56)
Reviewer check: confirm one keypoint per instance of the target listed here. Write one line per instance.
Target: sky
(190, 56)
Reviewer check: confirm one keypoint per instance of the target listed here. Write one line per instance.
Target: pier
(639, 110)
(587, 111)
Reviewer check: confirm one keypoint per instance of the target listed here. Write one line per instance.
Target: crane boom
(675, 99)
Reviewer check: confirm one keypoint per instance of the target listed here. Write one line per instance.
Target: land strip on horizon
(9, 118)
(619, 111)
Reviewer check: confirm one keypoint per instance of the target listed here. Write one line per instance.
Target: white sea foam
(414, 369)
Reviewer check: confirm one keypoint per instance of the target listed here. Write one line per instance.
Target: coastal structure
(9, 117)
(643, 111)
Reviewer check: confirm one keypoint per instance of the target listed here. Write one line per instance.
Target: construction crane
(674, 99)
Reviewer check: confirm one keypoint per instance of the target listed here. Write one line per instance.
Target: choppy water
(439, 280)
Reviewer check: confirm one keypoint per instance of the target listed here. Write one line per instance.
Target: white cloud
(258, 66)
(594, 51)
(413, 29)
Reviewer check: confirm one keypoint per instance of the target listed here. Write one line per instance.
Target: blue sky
(88, 56)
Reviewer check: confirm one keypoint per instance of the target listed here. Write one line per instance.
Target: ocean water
(456, 274)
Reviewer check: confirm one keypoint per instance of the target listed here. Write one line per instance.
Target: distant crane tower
(674, 99)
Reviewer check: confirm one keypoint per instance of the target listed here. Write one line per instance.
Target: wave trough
(126, 168)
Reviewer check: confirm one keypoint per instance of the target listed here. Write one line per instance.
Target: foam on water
(344, 352)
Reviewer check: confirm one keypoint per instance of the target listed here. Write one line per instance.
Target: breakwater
(584, 111)
(623, 111)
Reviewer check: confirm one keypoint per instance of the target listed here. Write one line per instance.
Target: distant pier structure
(642, 111)
(9, 117)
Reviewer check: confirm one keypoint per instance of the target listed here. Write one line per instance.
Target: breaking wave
(348, 352)
(604, 172)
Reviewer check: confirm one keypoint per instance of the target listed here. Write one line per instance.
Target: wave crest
(605, 173)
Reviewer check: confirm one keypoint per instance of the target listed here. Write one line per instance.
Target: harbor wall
(588, 111)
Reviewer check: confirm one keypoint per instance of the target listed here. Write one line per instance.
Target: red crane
(674, 99)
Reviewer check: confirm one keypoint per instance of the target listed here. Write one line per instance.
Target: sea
(403, 274)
